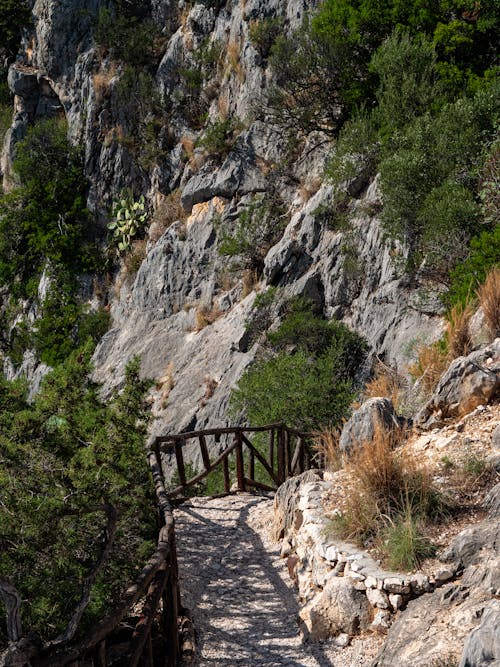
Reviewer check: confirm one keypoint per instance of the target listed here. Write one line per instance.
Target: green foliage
(129, 217)
(405, 544)
(45, 219)
(308, 381)
(126, 36)
(65, 325)
(484, 254)
(258, 227)
(14, 16)
(263, 33)
(66, 460)
(219, 137)
(436, 156)
(5, 120)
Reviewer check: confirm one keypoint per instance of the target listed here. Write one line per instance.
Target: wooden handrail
(289, 459)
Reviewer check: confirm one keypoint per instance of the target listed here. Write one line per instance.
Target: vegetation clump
(306, 378)
(75, 495)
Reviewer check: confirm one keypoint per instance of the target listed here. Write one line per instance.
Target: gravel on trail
(243, 603)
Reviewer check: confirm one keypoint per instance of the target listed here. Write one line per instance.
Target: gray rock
(469, 382)
(492, 502)
(495, 437)
(286, 501)
(340, 608)
(374, 413)
(482, 646)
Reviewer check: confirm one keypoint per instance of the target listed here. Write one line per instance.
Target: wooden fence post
(227, 480)
(180, 462)
(281, 455)
(240, 472)
(204, 452)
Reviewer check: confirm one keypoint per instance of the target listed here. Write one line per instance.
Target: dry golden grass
(326, 444)
(223, 106)
(168, 211)
(457, 332)
(205, 315)
(386, 481)
(489, 299)
(250, 280)
(165, 384)
(101, 81)
(309, 188)
(234, 62)
(187, 146)
(431, 363)
(387, 382)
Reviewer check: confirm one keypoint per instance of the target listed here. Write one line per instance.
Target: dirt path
(237, 587)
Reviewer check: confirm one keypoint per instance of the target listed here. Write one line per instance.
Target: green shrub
(67, 458)
(257, 228)
(308, 381)
(126, 37)
(219, 137)
(45, 219)
(14, 16)
(129, 218)
(263, 34)
(484, 254)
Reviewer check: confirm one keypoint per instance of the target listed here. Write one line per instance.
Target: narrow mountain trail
(237, 587)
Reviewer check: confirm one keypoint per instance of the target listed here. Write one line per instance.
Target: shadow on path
(244, 611)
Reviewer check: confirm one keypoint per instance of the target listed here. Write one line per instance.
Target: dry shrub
(187, 146)
(168, 211)
(210, 386)
(101, 81)
(386, 482)
(223, 106)
(431, 363)
(233, 60)
(489, 299)
(165, 384)
(250, 280)
(135, 257)
(205, 315)
(457, 333)
(326, 444)
(309, 188)
(386, 381)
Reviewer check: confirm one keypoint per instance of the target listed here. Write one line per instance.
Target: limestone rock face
(482, 646)
(360, 428)
(468, 382)
(60, 70)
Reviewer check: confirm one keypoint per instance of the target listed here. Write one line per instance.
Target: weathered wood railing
(154, 596)
(287, 454)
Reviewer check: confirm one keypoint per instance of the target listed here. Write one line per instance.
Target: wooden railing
(156, 590)
(286, 453)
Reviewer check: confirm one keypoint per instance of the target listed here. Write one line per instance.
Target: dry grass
(387, 382)
(457, 333)
(135, 257)
(326, 444)
(223, 106)
(431, 362)
(250, 280)
(187, 147)
(101, 81)
(205, 315)
(168, 211)
(309, 188)
(386, 484)
(210, 387)
(233, 61)
(165, 384)
(489, 299)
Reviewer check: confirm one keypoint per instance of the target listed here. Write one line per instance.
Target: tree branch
(12, 601)
(109, 536)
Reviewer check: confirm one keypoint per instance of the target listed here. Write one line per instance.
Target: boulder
(374, 413)
(340, 608)
(469, 381)
(482, 646)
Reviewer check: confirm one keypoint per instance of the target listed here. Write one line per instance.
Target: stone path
(243, 604)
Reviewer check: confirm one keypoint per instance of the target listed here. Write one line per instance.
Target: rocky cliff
(186, 310)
